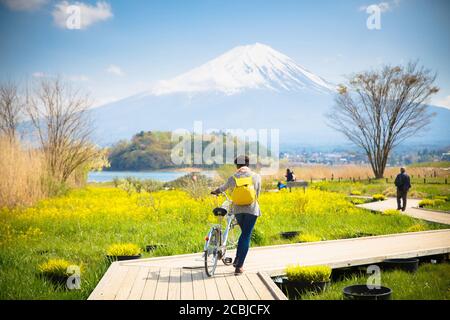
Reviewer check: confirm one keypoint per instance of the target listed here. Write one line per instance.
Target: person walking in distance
(403, 184)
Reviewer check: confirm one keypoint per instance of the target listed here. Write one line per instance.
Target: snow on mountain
(251, 86)
(255, 66)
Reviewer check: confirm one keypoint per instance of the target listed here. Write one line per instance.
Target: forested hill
(150, 150)
(146, 151)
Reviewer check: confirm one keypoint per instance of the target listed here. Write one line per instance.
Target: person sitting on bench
(290, 176)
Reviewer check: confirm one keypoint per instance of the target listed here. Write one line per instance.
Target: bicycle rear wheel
(212, 251)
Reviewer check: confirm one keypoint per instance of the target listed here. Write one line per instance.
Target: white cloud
(116, 70)
(24, 5)
(65, 16)
(444, 102)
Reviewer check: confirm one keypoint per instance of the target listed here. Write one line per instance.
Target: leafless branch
(377, 110)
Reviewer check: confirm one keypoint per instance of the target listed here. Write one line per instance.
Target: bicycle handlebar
(223, 193)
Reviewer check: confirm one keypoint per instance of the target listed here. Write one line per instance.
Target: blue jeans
(246, 223)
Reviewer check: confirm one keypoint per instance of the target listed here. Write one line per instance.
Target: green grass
(418, 190)
(430, 282)
(440, 206)
(80, 226)
(438, 164)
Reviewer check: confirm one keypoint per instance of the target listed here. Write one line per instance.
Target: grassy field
(82, 224)
(437, 164)
(435, 170)
(430, 282)
(439, 205)
(418, 190)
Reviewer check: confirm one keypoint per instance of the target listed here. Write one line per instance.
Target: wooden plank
(247, 287)
(139, 284)
(174, 285)
(162, 288)
(198, 285)
(112, 287)
(150, 284)
(335, 253)
(223, 287)
(97, 293)
(187, 290)
(259, 286)
(127, 284)
(275, 291)
(212, 292)
(235, 287)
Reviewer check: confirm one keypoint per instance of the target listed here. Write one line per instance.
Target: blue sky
(127, 45)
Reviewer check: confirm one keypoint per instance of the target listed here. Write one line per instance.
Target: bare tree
(377, 110)
(60, 116)
(11, 109)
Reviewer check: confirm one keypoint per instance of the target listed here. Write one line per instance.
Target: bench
(297, 184)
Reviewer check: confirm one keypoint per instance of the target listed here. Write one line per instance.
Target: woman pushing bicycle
(246, 187)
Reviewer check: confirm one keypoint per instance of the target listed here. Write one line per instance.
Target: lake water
(164, 176)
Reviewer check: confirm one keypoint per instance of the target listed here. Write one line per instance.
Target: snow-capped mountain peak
(256, 66)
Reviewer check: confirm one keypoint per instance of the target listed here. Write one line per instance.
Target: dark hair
(242, 161)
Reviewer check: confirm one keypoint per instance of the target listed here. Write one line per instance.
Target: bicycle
(218, 241)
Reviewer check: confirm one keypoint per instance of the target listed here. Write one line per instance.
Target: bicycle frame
(217, 239)
(223, 235)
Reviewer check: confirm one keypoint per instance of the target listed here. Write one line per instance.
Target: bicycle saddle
(220, 211)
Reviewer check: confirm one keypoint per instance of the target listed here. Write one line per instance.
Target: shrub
(416, 228)
(445, 198)
(268, 184)
(307, 237)
(116, 182)
(391, 212)
(21, 173)
(417, 194)
(127, 186)
(123, 249)
(308, 274)
(257, 236)
(390, 192)
(426, 203)
(196, 185)
(54, 267)
(152, 185)
(438, 202)
(379, 197)
(357, 201)
(355, 193)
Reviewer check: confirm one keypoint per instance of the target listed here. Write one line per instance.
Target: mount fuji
(251, 86)
(245, 67)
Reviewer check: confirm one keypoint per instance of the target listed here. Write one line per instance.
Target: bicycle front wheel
(233, 235)
(212, 251)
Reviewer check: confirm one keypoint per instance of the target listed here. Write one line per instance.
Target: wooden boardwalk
(182, 276)
(125, 281)
(411, 210)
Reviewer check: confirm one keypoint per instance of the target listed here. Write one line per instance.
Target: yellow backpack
(244, 192)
